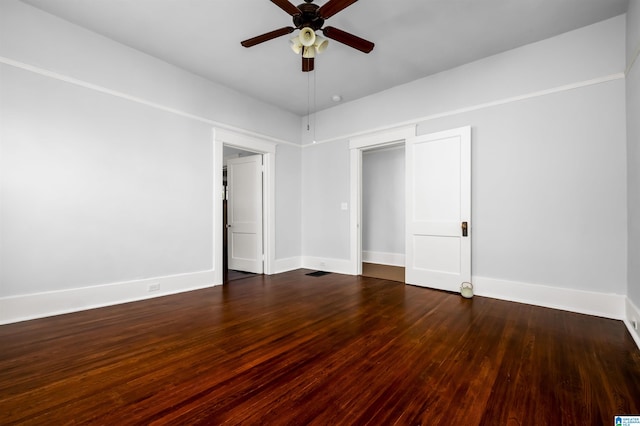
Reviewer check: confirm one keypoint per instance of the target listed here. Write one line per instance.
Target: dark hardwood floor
(297, 350)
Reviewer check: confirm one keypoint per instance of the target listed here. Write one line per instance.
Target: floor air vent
(317, 273)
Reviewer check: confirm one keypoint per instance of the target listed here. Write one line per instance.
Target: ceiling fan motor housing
(308, 17)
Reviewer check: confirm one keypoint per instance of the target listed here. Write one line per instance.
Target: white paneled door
(438, 209)
(244, 210)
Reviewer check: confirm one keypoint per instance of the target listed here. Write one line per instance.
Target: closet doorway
(383, 212)
(437, 189)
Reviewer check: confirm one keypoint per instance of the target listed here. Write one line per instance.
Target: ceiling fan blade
(307, 64)
(287, 7)
(332, 7)
(267, 36)
(348, 39)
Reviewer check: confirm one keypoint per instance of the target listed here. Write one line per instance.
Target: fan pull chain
(315, 106)
(308, 98)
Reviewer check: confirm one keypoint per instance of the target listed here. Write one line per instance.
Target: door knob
(465, 230)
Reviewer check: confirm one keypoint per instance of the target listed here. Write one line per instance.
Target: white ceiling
(413, 38)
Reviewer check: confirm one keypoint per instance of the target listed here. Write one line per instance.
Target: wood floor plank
(291, 349)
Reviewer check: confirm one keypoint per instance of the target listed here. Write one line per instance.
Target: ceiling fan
(309, 18)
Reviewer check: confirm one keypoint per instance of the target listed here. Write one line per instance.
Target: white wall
(31, 36)
(97, 189)
(633, 160)
(548, 159)
(383, 182)
(108, 171)
(593, 52)
(325, 186)
(288, 206)
(548, 188)
(566, 170)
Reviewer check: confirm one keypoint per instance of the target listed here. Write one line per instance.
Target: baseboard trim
(287, 264)
(632, 313)
(605, 305)
(39, 305)
(338, 266)
(382, 258)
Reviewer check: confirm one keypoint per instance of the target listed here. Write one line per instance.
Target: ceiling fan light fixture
(321, 44)
(309, 52)
(307, 36)
(296, 45)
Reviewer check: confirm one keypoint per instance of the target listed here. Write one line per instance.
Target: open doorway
(358, 145)
(267, 150)
(242, 213)
(383, 212)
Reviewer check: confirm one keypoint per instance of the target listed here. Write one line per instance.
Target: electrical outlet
(154, 287)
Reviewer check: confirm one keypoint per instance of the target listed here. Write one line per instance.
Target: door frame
(357, 145)
(267, 149)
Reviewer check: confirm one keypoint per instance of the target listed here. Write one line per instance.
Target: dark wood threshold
(231, 275)
(386, 272)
